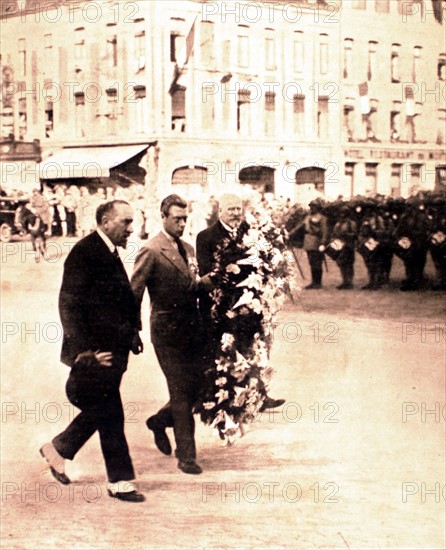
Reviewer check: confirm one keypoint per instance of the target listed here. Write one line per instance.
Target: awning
(87, 162)
(19, 175)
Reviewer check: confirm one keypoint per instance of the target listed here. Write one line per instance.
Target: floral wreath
(252, 273)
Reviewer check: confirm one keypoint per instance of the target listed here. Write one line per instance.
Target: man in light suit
(165, 266)
(99, 319)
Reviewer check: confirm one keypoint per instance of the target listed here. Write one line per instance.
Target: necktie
(116, 254)
(181, 249)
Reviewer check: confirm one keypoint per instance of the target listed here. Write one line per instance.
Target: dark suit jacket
(172, 288)
(96, 303)
(207, 243)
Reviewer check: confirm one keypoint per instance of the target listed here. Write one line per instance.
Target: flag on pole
(410, 101)
(364, 98)
(183, 56)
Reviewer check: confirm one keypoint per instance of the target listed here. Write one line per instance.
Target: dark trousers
(178, 343)
(345, 263)
(315, 259)
(414, 265)
(95, 390)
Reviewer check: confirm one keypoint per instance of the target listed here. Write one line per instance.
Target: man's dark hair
(107, 208)
(172, 200)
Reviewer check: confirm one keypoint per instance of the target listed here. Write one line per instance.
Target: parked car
(10, 218)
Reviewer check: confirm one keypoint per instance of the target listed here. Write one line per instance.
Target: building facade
(297, 99)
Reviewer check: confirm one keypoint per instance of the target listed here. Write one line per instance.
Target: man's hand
(206, 283)
(137, 345)
(94, 359)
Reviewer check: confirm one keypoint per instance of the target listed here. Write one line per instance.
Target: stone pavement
(355, 459)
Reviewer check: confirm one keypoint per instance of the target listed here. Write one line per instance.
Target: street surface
(355, 459)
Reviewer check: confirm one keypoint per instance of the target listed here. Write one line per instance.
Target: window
(299, 115)
(79, 102)
(323, 53)
(348, 58)
(371, 121)
(395, 63)
(226, 54)
(270, 113)
(371, 172)
(416, 63)
(382, 6)
(176, 43)
(408, 7)
(23, 119)
(140, 107)
(48, 52)
(322, 117)
(140, 45)
(207, 53)
(207, 106)
(243, 112)
(349, 121)
(415, 172)
(177, 40)
(112, 45)
(371, 67)
(22, 56)
(49, 119)
(441, 131)
(112, 111)
(441, 67)
(179, 109)
(349, 172)
(270, 50)
(395, 121)
(299, 52)
(79, 44)
(243, 46)
(395, 180)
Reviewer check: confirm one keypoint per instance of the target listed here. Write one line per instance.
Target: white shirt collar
(229, 229)
(171, 239)
(106, 240)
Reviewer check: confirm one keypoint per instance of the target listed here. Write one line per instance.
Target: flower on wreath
(227, 341)
(254, 280)
(222, 395)
(233, 268)
(221, 381)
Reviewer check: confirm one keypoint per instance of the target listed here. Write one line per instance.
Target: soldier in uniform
(437, 243)
(345, 231)
(412, 236)
(370, 248)
(315, 241)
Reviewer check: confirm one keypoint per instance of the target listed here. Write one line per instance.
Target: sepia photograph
(223, 274)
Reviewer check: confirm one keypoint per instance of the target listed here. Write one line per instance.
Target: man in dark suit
(165, 266)
(99, 319)
(231, 217)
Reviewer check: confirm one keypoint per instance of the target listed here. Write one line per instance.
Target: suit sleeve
(143, 268)
(205, 254)
(73, 300)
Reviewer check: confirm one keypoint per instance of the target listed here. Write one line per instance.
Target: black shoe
(345, 286)
(132, 496)
(189, 467)
(312, 286)
(161, 440)
(270, 403)
(50, 454)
